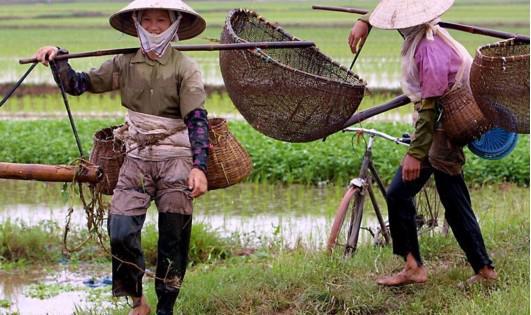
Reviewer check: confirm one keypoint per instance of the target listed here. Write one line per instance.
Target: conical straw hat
(395, 14)
(192, 24)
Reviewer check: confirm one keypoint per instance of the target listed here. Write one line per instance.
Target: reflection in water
(287, 215)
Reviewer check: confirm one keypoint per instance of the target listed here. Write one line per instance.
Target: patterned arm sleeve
(197, 124)
(75, 83)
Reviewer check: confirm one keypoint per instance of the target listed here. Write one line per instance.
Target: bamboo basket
(461, 118)
(499, 79)
(228, 162)
(108, 153)
(294, 95)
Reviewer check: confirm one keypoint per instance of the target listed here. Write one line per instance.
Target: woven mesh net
(499, 79)
(294, 95)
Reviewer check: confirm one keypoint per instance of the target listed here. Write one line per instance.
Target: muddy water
(289, 215)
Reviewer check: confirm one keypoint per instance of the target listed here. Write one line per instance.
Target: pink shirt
(438, 64)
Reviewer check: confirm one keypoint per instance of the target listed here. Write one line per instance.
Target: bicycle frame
(363, 184)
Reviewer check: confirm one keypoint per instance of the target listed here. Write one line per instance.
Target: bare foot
(140, 306)
(486, 274)
(406, 276)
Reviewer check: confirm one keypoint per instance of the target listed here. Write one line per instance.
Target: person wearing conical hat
(433, 63)
(166, 137)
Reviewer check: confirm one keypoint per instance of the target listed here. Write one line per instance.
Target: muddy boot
(172, 259)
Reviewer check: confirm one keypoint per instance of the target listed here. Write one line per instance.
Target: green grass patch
(22, 245)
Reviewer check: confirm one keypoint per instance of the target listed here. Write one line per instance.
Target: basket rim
(228, 24)
(509, 42)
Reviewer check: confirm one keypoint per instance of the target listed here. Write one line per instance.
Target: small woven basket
(461, 118)
(228, 162)
(499, 79)
(108, 153)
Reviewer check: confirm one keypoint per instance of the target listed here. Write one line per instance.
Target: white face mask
(157, 43)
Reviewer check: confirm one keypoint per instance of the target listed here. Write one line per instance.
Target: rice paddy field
(83, 26)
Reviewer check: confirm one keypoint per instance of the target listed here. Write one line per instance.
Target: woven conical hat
(192, 24)
(395, 14)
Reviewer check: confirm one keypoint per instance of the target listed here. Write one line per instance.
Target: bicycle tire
(355, 224)
(339, 218)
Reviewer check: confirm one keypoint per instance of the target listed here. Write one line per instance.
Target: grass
(22, 246)
(297, 281)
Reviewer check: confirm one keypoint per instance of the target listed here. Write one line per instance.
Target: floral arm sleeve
(75, 83)
(197, 124)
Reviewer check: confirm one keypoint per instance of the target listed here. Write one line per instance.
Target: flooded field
(290, 215)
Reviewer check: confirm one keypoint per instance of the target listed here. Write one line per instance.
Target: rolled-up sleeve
(192, 91)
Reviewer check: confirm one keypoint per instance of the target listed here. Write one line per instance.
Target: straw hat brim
(191, 25)
(396, 14)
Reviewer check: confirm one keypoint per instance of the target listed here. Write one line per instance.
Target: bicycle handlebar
(372, 132)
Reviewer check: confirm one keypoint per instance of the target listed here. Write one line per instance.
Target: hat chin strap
(156, 43)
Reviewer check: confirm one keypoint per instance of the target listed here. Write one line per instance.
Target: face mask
(153, 42)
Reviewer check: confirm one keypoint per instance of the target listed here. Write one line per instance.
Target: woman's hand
(410, 168)
(358, 35)
(46, 54)
(197, 182)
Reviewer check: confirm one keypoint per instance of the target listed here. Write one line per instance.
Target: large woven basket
(228, 162)
(108, 153)
(461, 118)
(294, 95)
(499, 79)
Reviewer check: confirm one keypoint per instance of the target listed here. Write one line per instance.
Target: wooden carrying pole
(51, 173)
(216, 47)
(373, 111)
(454, 26)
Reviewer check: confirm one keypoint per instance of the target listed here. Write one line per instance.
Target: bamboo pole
(373, 111)
(454, 26)
(51, 173)
(216, 47)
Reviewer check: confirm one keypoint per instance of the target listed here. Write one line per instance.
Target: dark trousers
(455, 198)
(128, 265)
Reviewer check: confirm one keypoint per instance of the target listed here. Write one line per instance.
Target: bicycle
(427, 201)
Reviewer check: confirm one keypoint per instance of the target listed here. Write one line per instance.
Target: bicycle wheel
(339, 218)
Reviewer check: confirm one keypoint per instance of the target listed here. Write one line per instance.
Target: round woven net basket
(294, 95)
(461, 118)
(499, 79)
(228, 162)
(108, 153)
